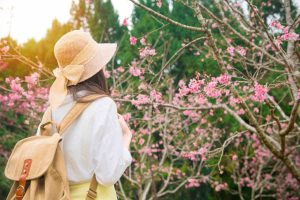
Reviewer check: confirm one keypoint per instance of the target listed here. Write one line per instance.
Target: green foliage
(103, 22)
(36, 51)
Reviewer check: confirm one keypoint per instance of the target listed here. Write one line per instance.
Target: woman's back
(94, 142)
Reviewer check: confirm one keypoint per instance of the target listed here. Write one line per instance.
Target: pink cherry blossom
(5, 49)
(241, 51)
(192, 183)
(224, 79)
(230, 50)
(195, 84)
(32, 79)
(260, 93)
(142, 86)
(214, 25)
(135, 71)
(120, 69)
(106, 74)
(201, 99)
(229, 40)
(211, 90)
(187, 112)
(157, 96)
(234, 157)
(159, 3)
(273, 23)
(220, 186)
(147, 51)
(125, 22)
(133, 40)
(143, 41)
(141, 99)
(183, 90)
(127, 116)
(141, 141)
(289, 36)
(279, 26)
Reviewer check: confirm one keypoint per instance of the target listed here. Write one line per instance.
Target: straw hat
(79, 57)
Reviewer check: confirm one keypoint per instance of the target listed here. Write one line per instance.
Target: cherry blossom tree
(258, 64)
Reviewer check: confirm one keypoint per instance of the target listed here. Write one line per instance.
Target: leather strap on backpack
(75, 111)
(92, 192)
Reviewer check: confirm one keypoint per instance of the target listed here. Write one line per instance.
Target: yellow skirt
(79, 191)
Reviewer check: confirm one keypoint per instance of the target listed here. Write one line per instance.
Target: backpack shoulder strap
(75, 111)
(46, 120)
(92, 192)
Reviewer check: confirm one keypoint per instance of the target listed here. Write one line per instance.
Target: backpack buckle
(47, 123)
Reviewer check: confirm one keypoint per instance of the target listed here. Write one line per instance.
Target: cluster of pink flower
(260, 93)
(24, 96)
(127, 116)
(211, 89)
(194, 85)
(3, 50)
(183, 89)
(219, 186)
(194, 155)
(107, 73)
(125, 22)
(224, 79)
(120, 69)
(159, 3)
(156, 96)
(135, 70)
(231, 50)
(133, 40)
(246, 182)
(287, 36)
(150, 151)
(141, 99)
(194, 116)
(146, 52)
(88, 1)
(192, 182)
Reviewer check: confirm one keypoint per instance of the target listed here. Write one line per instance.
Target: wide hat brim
(105, 52)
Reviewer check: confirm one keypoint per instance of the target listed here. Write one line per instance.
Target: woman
(97, 142)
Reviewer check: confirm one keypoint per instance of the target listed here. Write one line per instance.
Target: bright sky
(25, 19)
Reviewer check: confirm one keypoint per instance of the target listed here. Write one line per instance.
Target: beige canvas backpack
(36, 164)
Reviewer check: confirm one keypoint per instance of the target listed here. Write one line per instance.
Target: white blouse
(93, 143)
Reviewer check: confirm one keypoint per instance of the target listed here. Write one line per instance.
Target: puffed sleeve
(110, 156)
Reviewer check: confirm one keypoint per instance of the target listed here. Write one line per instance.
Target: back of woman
(97, 142)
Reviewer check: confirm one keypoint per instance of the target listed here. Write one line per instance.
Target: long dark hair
(97, 84)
